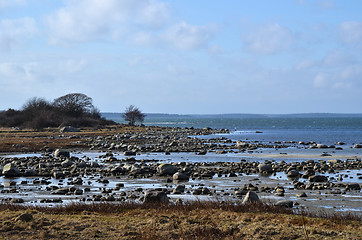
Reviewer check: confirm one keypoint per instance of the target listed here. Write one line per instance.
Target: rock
(58, 175)
(322, 146)
(180, 177)
(318, 178)
(69, 129)
(179, 189)
(293, 173)
(353, 186)
(166, 169)
(10, 170)
(25, 217)
(300, 195)
(284, 203)
(67, 163)
(221, 152)
(129, 153)
(357, 146)
(251, 197)
(265, 167)
(61, 153)
(155, 197)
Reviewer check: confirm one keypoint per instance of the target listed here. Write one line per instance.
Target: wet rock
(166, 169)
(293, 173)
(318, 178)
(321, 146)
(10, 170)
(265, 167)
(357, 146)
(301, 195)
(353, 186)
(251, 197)
(155, 197)
(180, 177)
(179, 189)
(284, 203)
(61, 153)
(58, 175)
(129, 153)
(67, 163)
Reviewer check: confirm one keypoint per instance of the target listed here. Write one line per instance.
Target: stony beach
(127, 164)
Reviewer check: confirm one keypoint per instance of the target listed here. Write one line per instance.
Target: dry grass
(200, 220)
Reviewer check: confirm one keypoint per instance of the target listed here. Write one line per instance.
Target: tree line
(75, 109)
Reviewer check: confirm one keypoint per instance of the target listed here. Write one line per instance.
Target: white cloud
(269, 39)
(13, 32)
(89, 20)
(189, 37)
(351, 32)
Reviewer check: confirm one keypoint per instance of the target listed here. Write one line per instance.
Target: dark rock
(318, 178)
(284, 203)
(155, 197)
(10, 170)
(61, 153)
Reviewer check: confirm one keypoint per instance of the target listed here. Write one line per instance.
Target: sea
(325, 130)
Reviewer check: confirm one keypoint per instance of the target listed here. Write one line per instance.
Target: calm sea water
(321, 130)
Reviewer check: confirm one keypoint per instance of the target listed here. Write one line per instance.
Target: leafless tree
(132, 114)
(74, 104)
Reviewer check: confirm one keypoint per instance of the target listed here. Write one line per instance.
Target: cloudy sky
(185, 56)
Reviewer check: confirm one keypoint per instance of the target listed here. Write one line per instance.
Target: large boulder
(155, 197)
(69, 129)
(166, 169)
(318, 178)
(251, 197)
(180, 177)
(284, 203)
(265, 168)
(10, 170)
(61, 153)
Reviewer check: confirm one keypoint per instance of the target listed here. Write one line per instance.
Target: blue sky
(185, 56)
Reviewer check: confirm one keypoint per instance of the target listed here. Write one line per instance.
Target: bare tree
(36, 104)
(132, 114)
(74, 104)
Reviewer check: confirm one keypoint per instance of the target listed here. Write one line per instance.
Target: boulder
(318, 178)
(61, 153)
(322, 146)
(10, 170)
(284, 203)
(179, 189)
(129, 153)
(67, 163)
(265, 167)
(293, 173)
(251, 197)
(358, 146)
(180, 177)
(166, 169)
(155, 197)
(69, 129)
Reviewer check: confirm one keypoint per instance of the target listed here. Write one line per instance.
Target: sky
(185, 56)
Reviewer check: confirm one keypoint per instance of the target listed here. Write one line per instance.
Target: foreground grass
(189, 221)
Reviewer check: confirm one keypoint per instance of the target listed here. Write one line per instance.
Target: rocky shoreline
(117, 174)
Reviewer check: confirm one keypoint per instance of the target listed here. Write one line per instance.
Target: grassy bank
(188, 221)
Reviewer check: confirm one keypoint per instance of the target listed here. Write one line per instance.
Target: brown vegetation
(212, 220)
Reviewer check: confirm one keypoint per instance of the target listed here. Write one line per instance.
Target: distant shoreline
(112, 115)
